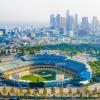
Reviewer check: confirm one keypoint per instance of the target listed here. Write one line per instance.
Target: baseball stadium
(45, 69)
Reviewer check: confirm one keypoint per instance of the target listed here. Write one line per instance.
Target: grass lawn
(44, 75)
(33, 78)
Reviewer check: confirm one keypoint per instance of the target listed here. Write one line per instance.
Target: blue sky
(38, 11)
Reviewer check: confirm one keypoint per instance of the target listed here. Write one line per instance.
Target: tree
(4, 90)
(1, 53)
(17, 93)
(70, 55)
(8, 94)
(78, 92)
(98, 94)
(70, 92)
(86, 91)
(90, 95)
(53, 90)
(1, 94)
(28, 90)
(20, 89)
(37, 80)
(44, 92)
(12, 90)
(95, 90)
(4, 52)
(36, 92)
(31, 51)
(61, 91)
(23, 51)
(9, 52)
(17, 49)
(25, 94)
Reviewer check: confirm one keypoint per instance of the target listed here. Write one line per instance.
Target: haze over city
(49, 49)
(38, 11)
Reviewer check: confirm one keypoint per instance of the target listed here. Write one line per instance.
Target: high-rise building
(72, 21)
(62, 30)
(76, 23)
(52, 21)
(67, 13)
(85, 24)
(63, 21)
(58, 21)
(95, 25)
(69, 22)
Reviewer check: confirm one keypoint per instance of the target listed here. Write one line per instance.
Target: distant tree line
(93, 49)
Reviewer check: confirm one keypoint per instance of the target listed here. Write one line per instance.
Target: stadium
(44, 70)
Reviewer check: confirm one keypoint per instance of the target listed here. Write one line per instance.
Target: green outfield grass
(33, 78)
(44, 75)
(36, 77)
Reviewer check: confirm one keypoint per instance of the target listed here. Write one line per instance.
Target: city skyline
(29, 11)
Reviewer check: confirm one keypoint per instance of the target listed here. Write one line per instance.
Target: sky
(38, 11)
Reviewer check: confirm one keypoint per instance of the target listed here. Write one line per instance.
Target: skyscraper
(67, 13)
(52, 21)
(69, 22)
(85, 24)
(58, 21)
(63, 21)
(76, 23)
(95, 24)
(72, 21)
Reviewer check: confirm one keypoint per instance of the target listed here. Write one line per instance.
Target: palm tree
(78, 92)
(95, 90)
(23, 51)
(86, 91)
(12, 90)
(8, 94)
(31, 51)
(90, 95)
(17, 49)
(20, 89)
(25, 94)
(98, 94)
(9, 51)
(61, 91)
(70, 55)
(53, 91)
(44, 92)
(4, 90)
(70, 92)
(17, 93)
(28, 90)
(1, 94)
(36, 92)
